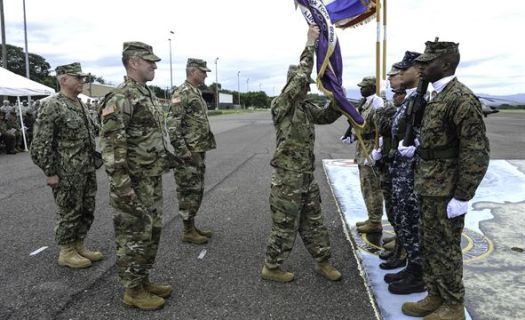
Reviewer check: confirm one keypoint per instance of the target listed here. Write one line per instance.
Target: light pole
(217, 83)
(260, 86)
(239, 87)
(2, 26)
(247, 85)
(25, 36)
(171, 64)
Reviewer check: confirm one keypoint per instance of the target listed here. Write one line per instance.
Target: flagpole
(384, 40)
(378, 46)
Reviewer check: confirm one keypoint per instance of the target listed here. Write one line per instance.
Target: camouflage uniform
(63, 145)
(406, 208)
(370, 179)
(6, 136)
(136, 152)
(383, 121)
(294, 198)
(451, 161)
(190, 132)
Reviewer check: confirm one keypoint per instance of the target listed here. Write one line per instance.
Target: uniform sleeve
(281, 105)
(43, 145)
(115, 117)
(474, 150)
(324, 115)
(175, 121)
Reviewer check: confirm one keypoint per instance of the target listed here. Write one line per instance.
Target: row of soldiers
(11, 136)
(425, 184)
(138, 144)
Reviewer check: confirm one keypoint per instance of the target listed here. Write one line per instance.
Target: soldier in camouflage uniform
(383, 120)
(191, 137)
(136, 152)
(63, 147)
(294, 198)
(7, 135)
(369, 178)
(452, 158)
(406, 208)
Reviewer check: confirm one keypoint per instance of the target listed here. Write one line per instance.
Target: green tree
(91, 78)
(38, 66)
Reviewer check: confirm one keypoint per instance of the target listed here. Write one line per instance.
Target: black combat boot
(411, 281)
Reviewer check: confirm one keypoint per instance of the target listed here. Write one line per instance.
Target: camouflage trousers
(190, 185)
(75, 200)
(441, 250)
(138, 225)
(406, 206)
(386, 189)
(371, 190)
(9, 140)
(295, 203)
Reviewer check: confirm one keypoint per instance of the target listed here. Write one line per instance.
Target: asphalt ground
(225, 282)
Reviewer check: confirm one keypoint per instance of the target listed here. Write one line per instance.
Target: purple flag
(329, 60)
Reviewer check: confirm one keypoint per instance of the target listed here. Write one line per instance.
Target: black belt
(441, 153)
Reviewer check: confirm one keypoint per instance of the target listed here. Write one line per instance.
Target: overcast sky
(261, 38)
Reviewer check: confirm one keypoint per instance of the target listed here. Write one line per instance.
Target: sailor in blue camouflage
(295, 200)
(63, 147)
(406, 207)
(136, 152)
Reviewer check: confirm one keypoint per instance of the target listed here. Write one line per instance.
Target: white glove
(348, 140)
(376, 154)
(456, 208)
(380, 142)
(407, 152)
(367, 163)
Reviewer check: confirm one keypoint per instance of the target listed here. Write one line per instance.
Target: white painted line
(202, 254)
(37, 251)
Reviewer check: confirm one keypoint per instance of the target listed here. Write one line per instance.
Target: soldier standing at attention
(136, 152)
(294, 197)
(63, 147)
(370, 179)
(191, 137)
(452, 158)
(406, 207)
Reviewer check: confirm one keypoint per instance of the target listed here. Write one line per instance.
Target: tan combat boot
(191, 235)
(328, 271)
(361, 223)
(158, 289)
(276, 274)
(423, 307)
(69, 257)
(93, 256)
(448, 312)
(370, 227)
(139, 298)
(204, 233)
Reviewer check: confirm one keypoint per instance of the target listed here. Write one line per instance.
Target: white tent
(12, 84)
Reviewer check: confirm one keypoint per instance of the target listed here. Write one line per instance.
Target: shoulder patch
(176, 99)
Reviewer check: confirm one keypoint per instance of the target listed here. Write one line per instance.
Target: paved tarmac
(225, 282)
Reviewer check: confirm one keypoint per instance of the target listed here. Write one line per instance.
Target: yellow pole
(384, 40)
(378, 46)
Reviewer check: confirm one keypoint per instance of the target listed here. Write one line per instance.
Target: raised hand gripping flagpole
(329, 60)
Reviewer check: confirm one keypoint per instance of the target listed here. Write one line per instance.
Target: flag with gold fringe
(341, 13)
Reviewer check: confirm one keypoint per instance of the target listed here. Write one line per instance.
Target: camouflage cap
(73, 69)
(367, 82)
(293, 69)
(393, 71)
(408, 60)
(139, 49)
(197, 63)
(436, 48)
